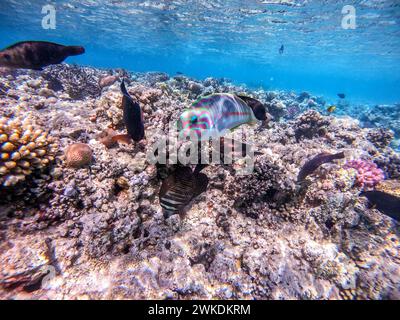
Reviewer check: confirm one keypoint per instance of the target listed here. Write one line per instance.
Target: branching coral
(24, 149)
(368, 173)
(78, 82)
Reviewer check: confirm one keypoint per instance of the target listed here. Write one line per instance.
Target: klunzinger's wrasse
(213, 115)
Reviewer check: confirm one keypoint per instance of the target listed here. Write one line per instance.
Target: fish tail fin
(201, 184)
(123, 89)
(168, 213)
(122, 138)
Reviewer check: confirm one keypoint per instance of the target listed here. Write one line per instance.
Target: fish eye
(193, 119)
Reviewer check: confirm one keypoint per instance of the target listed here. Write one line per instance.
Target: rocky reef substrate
(95, 229)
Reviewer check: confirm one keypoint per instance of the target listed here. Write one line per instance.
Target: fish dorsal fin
(124, 91)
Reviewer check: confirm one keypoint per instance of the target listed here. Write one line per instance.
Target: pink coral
(368, 173)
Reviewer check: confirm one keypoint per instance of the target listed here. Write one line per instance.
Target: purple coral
(368, 173)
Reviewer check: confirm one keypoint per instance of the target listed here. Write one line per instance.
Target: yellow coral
(345, 178)
(23, 149)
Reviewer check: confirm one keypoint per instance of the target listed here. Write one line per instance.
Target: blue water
(237, 39)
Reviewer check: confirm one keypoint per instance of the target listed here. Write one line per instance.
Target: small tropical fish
(133, 119)
(36, 55)
(281, 49)
(331, 109)
(341, 95)
(213, 115)
(386, 203)
(313, 164)
(179, 73)
(179, 188)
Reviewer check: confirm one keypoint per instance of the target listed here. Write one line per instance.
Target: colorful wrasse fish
(179, 188)
(386, 203)
(313, 164)
(213, 115)
(133, 119)
(36, 55)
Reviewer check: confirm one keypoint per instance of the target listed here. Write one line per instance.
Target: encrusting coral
(24, 149)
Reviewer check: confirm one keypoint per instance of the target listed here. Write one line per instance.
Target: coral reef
(98, 231)
(383, 117)
(381, 138)
(310, 124)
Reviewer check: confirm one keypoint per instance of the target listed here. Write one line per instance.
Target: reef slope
(98, 232)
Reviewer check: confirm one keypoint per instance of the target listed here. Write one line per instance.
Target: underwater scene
(200, 150)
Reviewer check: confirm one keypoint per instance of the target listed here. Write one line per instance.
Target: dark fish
(341, 95)
(386, 203)
(36, 54)
(179, 73)
(258, 108)
(179, 188)
(281, 49)
(313, 164)
(133, 119)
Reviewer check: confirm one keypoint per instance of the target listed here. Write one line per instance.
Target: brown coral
(310, 124)
(24, 149)
(78, 155)
(380, 137)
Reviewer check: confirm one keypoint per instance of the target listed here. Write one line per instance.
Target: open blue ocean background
(236, 39)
